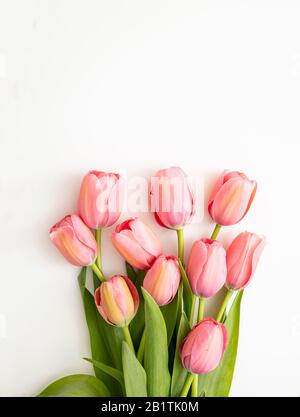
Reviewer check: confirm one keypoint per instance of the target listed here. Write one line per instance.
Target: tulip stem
(141, 351)
(216, 232)
(195, 382)
(180, 240)
(98, 239)
(98, 272)
(127, 337)
(227, 297)
(201, 309)
(194, 307)
(195, 386)
(187, 385)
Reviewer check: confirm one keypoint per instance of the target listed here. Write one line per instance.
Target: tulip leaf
(137, 325)
(170, 316)
(76, 386)
(134, 374)
(187, 292)
(130, 271)
(156, 349)
(113, 372)
(105, 340)
(218, 382)
(179, 372)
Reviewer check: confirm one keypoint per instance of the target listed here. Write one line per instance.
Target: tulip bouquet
(149, 333)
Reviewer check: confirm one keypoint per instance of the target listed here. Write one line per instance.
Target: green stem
(195, 386)
(187, 385)
(224, 304)
(98, 239)
(180, 245)
(98, 272)
(200, 318)
(141, 351)
(193, 311)
(216, 232)
(201, 309)
(127, 337)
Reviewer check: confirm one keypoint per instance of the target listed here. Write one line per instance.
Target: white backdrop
(135, 86)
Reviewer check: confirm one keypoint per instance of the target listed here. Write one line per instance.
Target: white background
(134, 86)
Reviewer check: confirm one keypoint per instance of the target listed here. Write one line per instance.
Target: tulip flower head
(203, 349)
(100, 199)
(171, 198)
(231, 198)
(117, 300)
(74, 240)
(136, 242)
(206, 268)
(162, 279)
(242, 258)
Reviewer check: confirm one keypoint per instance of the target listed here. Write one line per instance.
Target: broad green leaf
(105, 340)
(218, 382)
(170, 316)
(134, 374)
(179, 372)
(115, 373)
(156, 349)
(76, 386)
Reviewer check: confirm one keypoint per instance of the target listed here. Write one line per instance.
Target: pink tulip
(203, 348)
(171, 198)
(162, 279)
(100, 197)
(231, 198)
(206, 267)
(117, 300)
(74, 240)
(136, 243)
(242, 259)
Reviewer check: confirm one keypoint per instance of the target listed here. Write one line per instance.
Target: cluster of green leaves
(117, 369)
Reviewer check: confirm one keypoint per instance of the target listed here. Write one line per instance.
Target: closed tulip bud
(203, 348)
(136, 243)
(100, 198)
(242, 258)
(74, 240)
(231, 198)
(162, 279)
(206, 269)
(117, 300)
(171, 198)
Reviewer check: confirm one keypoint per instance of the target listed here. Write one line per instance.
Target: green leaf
(113, 372)
(137, 325)
(179, 372)
(76, 386)
(134, 374)
(130, 271)
(187, 292)
(105, 340)
(218, 382)
(170, 316)
(156, 349)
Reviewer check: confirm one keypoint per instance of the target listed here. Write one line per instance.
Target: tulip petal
(131, 251)
(83, 234)
(242, 257)
(196, 262)
(70, 247)
(146, 238)
(231, 202)
(218, 185)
